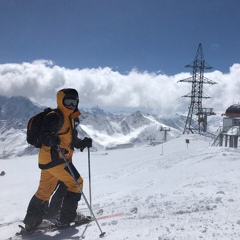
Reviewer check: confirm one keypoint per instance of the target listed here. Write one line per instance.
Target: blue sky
(149, 35)
(127, 54)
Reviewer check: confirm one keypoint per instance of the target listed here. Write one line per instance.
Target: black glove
(87, 142)
(53, 139)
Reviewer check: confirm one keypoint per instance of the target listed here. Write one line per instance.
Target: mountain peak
(17, 107)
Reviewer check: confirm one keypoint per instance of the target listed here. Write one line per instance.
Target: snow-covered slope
(109, 130)
(182, 192)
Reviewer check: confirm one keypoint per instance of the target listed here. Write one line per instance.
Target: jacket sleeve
(77, 142)
(49, 128)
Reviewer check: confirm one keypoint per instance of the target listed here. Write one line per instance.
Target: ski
(30, 235)
(53, 226)
(72, 225)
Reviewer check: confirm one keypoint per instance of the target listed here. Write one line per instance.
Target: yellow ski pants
(50, 177)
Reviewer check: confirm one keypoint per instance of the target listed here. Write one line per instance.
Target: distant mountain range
(107, 130)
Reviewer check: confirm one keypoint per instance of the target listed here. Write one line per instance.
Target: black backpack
(34, 126)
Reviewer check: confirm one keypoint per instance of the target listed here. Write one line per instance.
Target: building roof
(233, 111)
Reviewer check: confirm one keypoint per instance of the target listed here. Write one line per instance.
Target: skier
(52, 165)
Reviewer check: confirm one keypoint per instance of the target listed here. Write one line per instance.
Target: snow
(182, 191)
(233, 131)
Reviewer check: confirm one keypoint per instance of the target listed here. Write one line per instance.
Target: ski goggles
(70, 101)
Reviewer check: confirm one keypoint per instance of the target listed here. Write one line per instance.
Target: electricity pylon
(197, 115)
(165, 129)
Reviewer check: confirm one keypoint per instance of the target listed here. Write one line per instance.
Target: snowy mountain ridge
(108, 130)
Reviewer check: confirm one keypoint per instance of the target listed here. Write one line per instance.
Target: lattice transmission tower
(196, 121)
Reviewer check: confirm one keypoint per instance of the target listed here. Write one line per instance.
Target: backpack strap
(61, 119)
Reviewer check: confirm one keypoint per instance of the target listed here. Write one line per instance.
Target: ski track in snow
(183, 194)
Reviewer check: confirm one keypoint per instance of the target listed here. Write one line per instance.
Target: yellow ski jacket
(50, 156)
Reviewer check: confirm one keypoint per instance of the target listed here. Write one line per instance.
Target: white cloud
(41, 79)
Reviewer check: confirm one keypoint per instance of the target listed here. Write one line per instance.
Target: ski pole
(90, 191)
(89, 178)
(81, 191)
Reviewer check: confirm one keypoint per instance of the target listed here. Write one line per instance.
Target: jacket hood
(69, 93)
